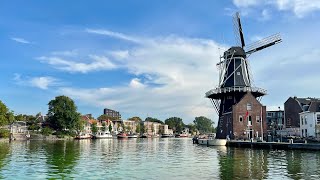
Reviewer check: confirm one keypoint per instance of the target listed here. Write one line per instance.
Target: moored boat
(132, 136)
(122, 135)
(83, 136)
(102, 135)
(166, 135)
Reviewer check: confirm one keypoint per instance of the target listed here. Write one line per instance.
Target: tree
(150, 119)
(106, 117)
(135, 119)
(62, 114)
(110, 128)
(204, 125)
(103, 127)
(192, 128)
(175, 123)
(94, 128)
(138, 128)
(6, 116)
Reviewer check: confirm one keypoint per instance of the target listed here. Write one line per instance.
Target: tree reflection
(4, 151)
(62, 157)
(244, 164)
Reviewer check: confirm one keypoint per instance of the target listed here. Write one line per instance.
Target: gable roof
(313, 104)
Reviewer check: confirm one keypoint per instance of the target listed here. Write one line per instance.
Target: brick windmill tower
(235, 100)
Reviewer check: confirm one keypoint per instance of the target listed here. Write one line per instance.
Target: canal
(157, 158)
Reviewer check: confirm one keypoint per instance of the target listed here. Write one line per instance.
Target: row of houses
(117, 126)
(300, 117)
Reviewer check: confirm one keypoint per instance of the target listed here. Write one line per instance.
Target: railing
(235, 89)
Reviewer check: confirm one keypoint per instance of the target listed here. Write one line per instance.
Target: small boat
(102, 135)
(183, 135)
(155, 135)
(122, 135)
(212, 141)
(166, 135)
(132, 136)
(83, 136)
(145, 135)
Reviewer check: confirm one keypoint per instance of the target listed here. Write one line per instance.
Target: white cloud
(42, 82)
(172, 76)
(114, 35)
(71, 53)
(20, 40)
(300, 8)
(245, 3)
(98, 63)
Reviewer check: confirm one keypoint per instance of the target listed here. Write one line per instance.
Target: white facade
(310, 124)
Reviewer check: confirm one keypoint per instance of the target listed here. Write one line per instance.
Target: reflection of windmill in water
(237, 115)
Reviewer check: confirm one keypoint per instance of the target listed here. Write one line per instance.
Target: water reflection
(62, 156)
(150, 159)
(243, 164)
(4, 151)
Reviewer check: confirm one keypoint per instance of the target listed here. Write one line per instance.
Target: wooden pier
(274, 145)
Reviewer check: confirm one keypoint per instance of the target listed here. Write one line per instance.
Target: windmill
(234, 75)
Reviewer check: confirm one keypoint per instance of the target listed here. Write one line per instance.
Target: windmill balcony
(218, 92)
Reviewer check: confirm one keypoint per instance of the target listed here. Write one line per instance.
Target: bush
(46, 131)
(4, 133)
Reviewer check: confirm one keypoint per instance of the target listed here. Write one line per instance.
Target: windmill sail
(263, 43)
(238, 29)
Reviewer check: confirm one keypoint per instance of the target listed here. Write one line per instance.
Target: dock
(274, 145)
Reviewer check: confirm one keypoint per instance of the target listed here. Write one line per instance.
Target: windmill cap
(235, 51)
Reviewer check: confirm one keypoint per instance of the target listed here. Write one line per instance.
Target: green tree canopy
(150, 119)
(62, 114)
(192, 127)
(204, 125)
(136, 119)
(6, 116)
(104, 117)
(175, 123)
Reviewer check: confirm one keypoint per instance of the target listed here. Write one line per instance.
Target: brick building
(246, 120)
(294, 105)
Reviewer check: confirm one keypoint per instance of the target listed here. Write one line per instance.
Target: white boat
(203, 141)
(132, 136)
(83, 136)
(217, 142)
(102, 135)
(212, 141)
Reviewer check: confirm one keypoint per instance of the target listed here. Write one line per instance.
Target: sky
(150, 58)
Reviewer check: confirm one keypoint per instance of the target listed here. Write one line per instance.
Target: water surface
(158, 158)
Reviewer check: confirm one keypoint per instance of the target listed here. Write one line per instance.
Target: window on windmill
(301, 120)
(238, 73)
(249, 106)
(240, 119)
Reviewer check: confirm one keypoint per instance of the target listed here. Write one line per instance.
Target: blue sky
(150, 58)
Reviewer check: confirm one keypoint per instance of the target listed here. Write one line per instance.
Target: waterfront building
(292, 107)
(310, 124)
(249, 119)
(151, 128)
(164, 129)
(112, 113)
(131, 126)
(275, 121)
